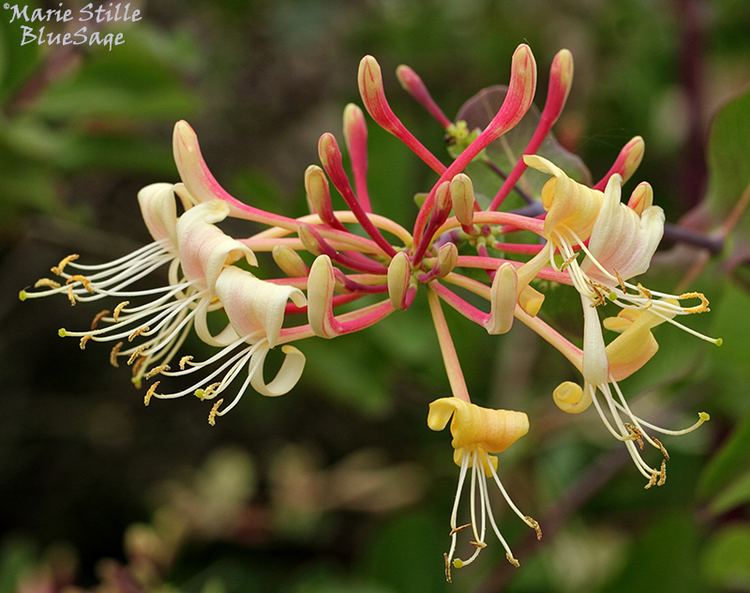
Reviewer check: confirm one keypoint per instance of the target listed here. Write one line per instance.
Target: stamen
(662, 473)
(98, 317)
(136, 371)
(59, 268)
(534, 524)
(71, 296)
(662, 448)
(114, 353)
(703, 307)
(118, 310)
(83, 341)
(46, 282)
(208, 392)
(85, 282)
(448, 578)
(137, 332)
(184, 361)
(155, 371)
(136, 353)
(652, 481)
(509, 557)
(150, 393)
(635, 434)
(459, 528)
(214, 411)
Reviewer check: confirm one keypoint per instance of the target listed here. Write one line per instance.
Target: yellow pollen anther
(208, 392)
(98, 317)
(662, 448)
(136, 353)
(662, 473)
(479, 545)
(71, 296)
(114, 353)
(184, 361)
(118, 310)
(620, 281)
(703, 307)
(652, 480)
(138, 332)
(156, 370)
(568, 261)
(85, 282)
(136, 379)
(534, 524)
(214, 411)
(513, 561)
(448, 578)
(47, 283)
(59, 268)
(635, 435)
(150, 393)
(82, 343)
(459, 528)
(644, 291)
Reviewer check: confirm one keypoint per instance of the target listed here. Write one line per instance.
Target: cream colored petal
(440, 412)
(159, 211)
(287, 376)
(225, 337)
(205, 249)
(595, 366)
(503, 298)
(320, 286)
(255, 307)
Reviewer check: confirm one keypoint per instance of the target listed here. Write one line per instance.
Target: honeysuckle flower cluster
(340, 271)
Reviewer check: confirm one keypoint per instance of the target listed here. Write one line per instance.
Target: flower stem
(447, 349)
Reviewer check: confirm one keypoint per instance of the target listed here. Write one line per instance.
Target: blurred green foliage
(340, 486)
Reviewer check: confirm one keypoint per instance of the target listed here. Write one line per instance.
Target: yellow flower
(477, 433)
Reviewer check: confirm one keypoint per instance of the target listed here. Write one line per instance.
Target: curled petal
(641, 198)
(473, 426)
(287, 376)
(595, 365)
(623, 242)
(635, 345)
(255, 307)
(570, 398)
(204, 249)
(159, 211)
(568, 203)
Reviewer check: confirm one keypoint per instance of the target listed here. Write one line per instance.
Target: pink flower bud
(399, 277)
(462, 192)
(355, 135)
(412, 84)
(626, 163)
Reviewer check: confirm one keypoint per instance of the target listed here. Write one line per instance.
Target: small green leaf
(734, 495)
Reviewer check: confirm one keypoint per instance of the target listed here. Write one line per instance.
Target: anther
(118, 310)
(98, 317)
(652, 480)
(644, 291)
(156, 371)
(635, 435)
(59, 268)
(509, 557)
(83, 341)
(459, 528)
(703, 307)
(534, 524)
(448, 578)
(46, 283)
(478, 545)
(71, 296)
(114, 353)
(662, 448)
(214, 412)
(662, 473)
(136, 353)
(85, 282)
(137, 332)
(184, 361)
(208, 392)
(150, 393)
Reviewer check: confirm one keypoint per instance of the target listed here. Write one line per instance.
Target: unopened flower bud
(633, 153)
(443, 200)
(355, 136)
(370, 79)
(447, 259)
(462, 192)
(399, 277)
(503, 297)
(570, 398)
(413, 84)
(309, 240)
(560, 81)
(289, 261)
(520, 93)
(321, 283)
